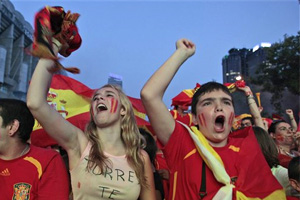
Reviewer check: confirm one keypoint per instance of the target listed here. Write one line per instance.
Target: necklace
(24, 150)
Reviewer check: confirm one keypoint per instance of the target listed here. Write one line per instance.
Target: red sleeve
(179, 144)
(54, 183)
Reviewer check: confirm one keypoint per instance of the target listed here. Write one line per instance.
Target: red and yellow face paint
(114, 105)
(202, 119)
(231, 119)
(279, 137)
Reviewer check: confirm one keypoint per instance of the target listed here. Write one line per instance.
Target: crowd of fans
(204, 153)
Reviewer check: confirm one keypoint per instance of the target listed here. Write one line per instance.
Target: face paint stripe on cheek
(203, 119)
(199, 117)
(279, 137)
(114, 105)
(230, 119)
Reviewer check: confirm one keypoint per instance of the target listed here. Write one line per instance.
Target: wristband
(250, 97)
(248, 93)
(56, 43)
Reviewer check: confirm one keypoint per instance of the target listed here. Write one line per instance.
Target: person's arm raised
(153, 91)
(253, 106)
(66, 134)
(290, 113)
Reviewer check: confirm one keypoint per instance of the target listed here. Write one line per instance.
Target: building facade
(115, 79)
(235, 64)
(16, 66)
(244, 63)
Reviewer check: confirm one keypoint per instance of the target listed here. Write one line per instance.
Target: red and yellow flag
(184, 98)
(71, 99)
(237, 120)
(139, 111)
(276, 117)
(232, 86)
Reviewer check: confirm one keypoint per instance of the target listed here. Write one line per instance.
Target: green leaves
(280, 71)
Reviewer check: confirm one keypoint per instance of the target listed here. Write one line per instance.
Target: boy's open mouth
(219, 123)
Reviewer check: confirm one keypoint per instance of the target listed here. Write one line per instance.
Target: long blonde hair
(130, 137)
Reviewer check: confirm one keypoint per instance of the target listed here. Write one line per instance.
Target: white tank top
(118, 181)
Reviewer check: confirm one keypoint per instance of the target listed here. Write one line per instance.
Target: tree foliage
(280, 71)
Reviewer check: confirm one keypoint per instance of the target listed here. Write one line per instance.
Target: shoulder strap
(202, 191)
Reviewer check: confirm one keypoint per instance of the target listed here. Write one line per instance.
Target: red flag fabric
(184, 98)
(248, 183)
(186, 118)
(237, 120)
(232, 86)
(139, 111)
(53, 26)
(268, 121)
(276, 117)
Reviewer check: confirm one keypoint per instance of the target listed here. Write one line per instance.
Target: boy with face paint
(206, 161)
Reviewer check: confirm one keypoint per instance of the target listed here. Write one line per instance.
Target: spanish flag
(232, 86)
(237, 120)
(139, 111)
(184, 98)
(72, 100)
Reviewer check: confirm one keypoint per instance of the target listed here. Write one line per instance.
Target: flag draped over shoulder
(72, 100)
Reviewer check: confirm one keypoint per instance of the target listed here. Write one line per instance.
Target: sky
(134, 38)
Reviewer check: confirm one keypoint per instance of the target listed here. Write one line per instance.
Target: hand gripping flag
(232, 86)
(52, 26)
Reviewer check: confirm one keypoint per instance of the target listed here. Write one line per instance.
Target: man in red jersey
(26, 171)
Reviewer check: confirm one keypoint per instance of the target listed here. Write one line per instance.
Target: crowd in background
(198, 150)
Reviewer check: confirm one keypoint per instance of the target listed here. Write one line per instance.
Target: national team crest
(21, 191)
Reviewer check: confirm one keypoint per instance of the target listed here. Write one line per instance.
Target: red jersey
(185, 164)
(161, 164)
(284, 160)
(186, 118)
(38, 175)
